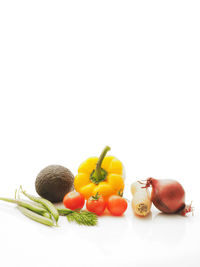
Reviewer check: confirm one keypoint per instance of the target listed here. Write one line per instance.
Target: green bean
(47, 215)
(25, 204)
(37, 204)
(17, 197)
(36, 217)
(48, 205)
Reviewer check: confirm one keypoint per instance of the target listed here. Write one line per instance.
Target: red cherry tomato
(96, 204)
(117, 205)
(73, 200)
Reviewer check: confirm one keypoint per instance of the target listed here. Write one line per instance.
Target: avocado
(54, 182)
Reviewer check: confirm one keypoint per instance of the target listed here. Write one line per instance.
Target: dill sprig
(82, 217)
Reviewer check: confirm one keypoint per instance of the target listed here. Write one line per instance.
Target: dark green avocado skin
(54, 182)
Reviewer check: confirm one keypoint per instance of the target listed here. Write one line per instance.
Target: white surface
(76, 76)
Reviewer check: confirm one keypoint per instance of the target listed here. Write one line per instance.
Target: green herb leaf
(83, 218)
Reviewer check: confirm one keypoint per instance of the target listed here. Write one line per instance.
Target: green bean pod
(46, 203)
(25, 204)
(47, 215)
(36, 217)
(37, 204)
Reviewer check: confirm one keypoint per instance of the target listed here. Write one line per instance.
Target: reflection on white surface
(160, 228)
(156, 240)
(142, 226)
(168, 229)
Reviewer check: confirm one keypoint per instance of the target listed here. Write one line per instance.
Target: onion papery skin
(167, 195)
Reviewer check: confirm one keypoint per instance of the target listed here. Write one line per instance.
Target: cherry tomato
(96, 204)
(117, 205)
(73, 200)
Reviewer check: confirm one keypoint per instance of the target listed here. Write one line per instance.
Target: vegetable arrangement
(98, 185)
(167, 196)
(97, 204)
(43, 211)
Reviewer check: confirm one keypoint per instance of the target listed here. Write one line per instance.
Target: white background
(76, 76)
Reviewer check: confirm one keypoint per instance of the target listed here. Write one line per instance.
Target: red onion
(168, 196)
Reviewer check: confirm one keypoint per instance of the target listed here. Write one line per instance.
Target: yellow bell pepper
(103, 175)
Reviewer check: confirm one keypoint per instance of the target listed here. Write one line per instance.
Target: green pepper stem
(102, 156)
